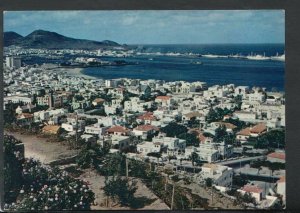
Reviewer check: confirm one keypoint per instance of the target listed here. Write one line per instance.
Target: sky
(156, 27)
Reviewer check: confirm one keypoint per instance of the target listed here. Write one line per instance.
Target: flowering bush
(47, 188)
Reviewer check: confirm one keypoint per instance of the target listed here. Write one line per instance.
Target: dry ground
(39, 148)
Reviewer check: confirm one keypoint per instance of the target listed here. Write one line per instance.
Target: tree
(89, 156)
(173, 129)
(12, 167)
(208, 182)
(114, 164)
(191, 139)
(272, 139)
(220, 133)
(194, 157)
(138, 169)
(121, 189)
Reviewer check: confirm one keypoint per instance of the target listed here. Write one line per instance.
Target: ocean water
(243, 72)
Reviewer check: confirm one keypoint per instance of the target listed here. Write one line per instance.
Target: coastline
(74, 72)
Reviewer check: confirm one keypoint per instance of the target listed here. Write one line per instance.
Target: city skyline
(170, 27)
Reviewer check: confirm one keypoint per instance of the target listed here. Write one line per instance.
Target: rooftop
(251, 188)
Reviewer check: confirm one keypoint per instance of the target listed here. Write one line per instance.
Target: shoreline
(79, 72)
(74, 72)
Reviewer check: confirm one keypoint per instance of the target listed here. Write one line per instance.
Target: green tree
(173, 129)
(120, 189)
(114, 164)
(191, 139)
(90, 156)
(194, 157)
(220, 134)
(208, 182)
(12, 167)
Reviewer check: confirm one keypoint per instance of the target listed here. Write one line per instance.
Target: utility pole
(76, 133)
(173, 192)
(126, 167)
(212, 195)
(166, 183)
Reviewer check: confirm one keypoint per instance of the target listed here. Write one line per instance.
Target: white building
(13, 62)
(148, 147)
(18, 99)
(174, 145)
(254, 191)
(220, 175)
(245, 116)
(95, 129)
(256, 96)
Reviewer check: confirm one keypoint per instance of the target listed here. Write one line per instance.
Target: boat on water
(214, 56)
(278, 57)
(257, 57)
(150, 59)
(238, 56)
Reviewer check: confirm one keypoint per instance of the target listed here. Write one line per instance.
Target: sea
(155, 64)
(179, 63)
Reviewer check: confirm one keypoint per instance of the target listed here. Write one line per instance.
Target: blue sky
(156, 27)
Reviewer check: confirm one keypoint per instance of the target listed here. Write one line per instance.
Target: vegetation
(208, 182)
(239, 124)
(245, 198)
(120, 189)
(217, 114)
(173, 129)
(222, 135)
(191, 139)
(273, 166)
(194, 157)
(114, 164)
(90, 156)
(40, 188)
(12, 167)
(272, 139)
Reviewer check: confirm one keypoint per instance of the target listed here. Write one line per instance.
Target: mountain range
(52, 40)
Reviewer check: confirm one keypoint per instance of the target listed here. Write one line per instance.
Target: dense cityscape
(77, 142)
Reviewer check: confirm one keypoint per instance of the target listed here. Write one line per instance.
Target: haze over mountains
(52, 40)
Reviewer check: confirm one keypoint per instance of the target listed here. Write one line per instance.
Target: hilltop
(53, 40)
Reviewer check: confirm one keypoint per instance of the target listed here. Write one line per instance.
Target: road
(240, 160)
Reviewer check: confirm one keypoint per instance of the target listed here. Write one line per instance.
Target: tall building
(13, 62)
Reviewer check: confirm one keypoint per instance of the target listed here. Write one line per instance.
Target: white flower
(80, 203)
(56, 198)
(31, 197)
(75, 205)
(74, 191)
(56, 195)
(32, 208)
(21, 191)
(34, 199)
(66, 192)
(46, 207)
(31, 189)
(85, 190)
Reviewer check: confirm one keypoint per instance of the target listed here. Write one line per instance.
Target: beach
(73, 72)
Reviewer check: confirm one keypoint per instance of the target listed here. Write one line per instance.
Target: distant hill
(53, 40)
(11, 38)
